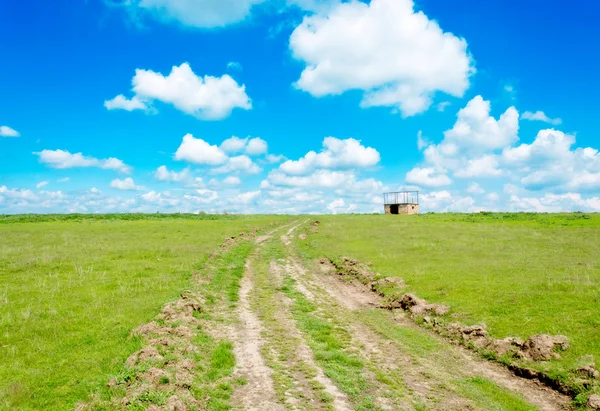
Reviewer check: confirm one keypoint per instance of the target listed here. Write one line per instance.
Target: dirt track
(422, 379)
(305, 339)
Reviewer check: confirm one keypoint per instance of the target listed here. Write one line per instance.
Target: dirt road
(313, 341)
(266, 329)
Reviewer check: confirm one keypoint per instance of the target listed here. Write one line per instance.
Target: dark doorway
(394, 209)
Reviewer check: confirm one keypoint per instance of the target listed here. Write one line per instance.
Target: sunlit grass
(72, 290)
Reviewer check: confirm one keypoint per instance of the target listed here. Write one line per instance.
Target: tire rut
(355, 297)
(259, 392)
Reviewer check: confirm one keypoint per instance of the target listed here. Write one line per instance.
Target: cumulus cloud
(251, 146)
(6, 131)
(64, 159)
(125, 184)
(395, 55)
(241, 163)
(336, 154)
(246, 198)
(476, 129)
(550, 162)
(203, 14)
(540, 116)
(207, 97)
(469, 149)
(256, 146)
(121, 102)
(427, 177)
(485, 166)
(197, 151)
(163, 174)
(232, 181)
(475, 188)
(234, 144)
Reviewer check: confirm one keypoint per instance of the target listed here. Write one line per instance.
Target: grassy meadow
(73, 287)
(518, 274)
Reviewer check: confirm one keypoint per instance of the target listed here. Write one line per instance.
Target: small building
(401, 202)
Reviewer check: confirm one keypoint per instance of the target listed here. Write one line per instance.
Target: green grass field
(518, 274)
(73, 287)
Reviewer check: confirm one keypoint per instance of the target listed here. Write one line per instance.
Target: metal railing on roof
(401, 197)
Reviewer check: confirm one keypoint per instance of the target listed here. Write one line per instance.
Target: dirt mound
(387, 285)
(303, 236)
(417, 306)
(594, 402)
(348, 266)
(589, 371)
(544, 347)
(314, 226)
(164, 363)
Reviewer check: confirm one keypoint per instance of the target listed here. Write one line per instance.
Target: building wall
(402, 208)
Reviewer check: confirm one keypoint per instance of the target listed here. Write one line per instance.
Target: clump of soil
(314, 226)
(233, 240)
(589, 371)
(541, 347)
(593, 402)
(163, 364)
(417, 306)
(303, 236)
(354, 268)
(544, 347)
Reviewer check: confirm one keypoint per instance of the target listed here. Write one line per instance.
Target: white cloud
(475, 188)
(198, 151)
(232, 181)
(442, 106)
(17, 193)
(195, 13)
(6, 131)
(493, 197)
(336, 154)
(397, 56)
(335, 206)
(272, 158)
(207, 98)
(540, 116)
(485, 166)
(41, 184)
(234, 66)
(64, 159)
(256, 146)
(126, 184)
(241, 163)
(163, 174)
(320, 178)
(427, 177)
(476, 129)
(549, 162)
(251, 146)
(234, 144)
(63, 180)
(246, 198)
(121, 102)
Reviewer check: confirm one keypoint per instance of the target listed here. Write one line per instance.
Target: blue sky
(297, 105)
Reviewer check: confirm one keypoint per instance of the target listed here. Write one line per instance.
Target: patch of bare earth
(425, 376)
(258, 393)
(302, 357)
(165, 363)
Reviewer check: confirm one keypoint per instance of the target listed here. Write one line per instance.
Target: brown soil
(352, 295)
(258, 393)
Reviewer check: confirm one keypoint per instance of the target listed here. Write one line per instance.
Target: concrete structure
(401, 202)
